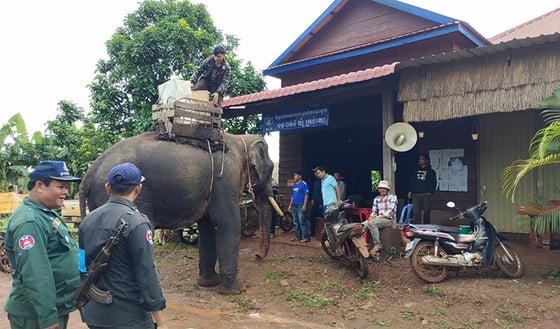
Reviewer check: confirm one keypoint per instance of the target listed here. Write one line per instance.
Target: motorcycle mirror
(450, 204)
(483, 190)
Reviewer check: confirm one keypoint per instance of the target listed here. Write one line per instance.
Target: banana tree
(544, 149)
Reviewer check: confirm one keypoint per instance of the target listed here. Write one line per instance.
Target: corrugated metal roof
(338, 80)
(480, 51)
(548, 23)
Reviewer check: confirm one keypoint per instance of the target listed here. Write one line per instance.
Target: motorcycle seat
(433, 227)
(347, 227)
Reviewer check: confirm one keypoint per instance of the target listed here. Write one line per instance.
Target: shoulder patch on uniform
(26, 242)
(150, 237)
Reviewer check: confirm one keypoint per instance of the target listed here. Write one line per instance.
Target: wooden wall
(361, 22)
(451, 134)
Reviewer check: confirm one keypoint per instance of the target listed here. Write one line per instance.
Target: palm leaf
(512, 175)
(544, 148)
(545, 141)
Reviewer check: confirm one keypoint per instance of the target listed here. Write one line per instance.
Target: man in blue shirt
(298, 206)
(331, 196)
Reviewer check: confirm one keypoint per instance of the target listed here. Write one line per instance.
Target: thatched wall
(508, 81)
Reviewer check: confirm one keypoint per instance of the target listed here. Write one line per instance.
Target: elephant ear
(260, 162)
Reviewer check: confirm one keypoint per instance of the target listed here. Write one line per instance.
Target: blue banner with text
(308, 117)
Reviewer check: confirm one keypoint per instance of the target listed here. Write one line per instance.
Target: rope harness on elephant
(212, 166)
(249, 184)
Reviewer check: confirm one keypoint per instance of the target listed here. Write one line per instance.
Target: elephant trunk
(265, 217)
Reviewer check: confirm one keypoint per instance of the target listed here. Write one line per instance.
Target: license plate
(409, 246)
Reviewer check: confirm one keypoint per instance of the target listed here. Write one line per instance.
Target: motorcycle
(434, 249)
(250, 218)
(348, 243)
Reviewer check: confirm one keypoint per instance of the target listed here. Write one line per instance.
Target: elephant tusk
(275, 206)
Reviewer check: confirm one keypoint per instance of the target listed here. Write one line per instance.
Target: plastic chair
(363, 214)
(406, 213)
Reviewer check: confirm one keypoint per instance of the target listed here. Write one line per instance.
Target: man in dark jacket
(422, 187)
(213, 75)
(131, 276)
(316, 205)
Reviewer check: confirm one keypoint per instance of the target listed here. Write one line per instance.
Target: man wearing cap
(213, 75)
(298, 207)
(42, 253)
(131, 276)
(383, 213)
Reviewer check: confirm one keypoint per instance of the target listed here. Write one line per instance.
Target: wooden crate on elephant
(188, 119)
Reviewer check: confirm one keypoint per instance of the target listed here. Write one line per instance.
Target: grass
(271, 276)
(409, 315)
(554, 275)
(243, 304)
(434, 291)
(366, 291)
(471, 324)
(554, 291)
(512, 316)
(479, 300)
(379, 322)
(437, 314)
(307, 299)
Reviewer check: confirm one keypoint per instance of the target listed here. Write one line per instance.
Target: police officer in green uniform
(43, 254)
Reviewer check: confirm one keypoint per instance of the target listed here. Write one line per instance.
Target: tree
(247, 81)
(73, 138)
(544, 149)
(17, 153)
(159, 40)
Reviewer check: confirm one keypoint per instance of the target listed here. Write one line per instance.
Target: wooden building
(365, 64)
(345, 62)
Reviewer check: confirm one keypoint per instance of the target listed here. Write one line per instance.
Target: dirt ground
(297, 286)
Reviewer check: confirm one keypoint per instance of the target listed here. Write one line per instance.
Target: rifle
(87, 289)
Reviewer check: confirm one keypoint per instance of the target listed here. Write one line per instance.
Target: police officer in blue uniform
(131, 276)
(43, 254)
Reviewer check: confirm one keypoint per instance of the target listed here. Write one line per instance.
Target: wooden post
(388, 119)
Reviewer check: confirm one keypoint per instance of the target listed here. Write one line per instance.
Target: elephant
(186, 184)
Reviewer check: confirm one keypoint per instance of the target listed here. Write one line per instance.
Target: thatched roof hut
(505, 77)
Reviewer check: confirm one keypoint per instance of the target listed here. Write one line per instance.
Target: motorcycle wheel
(4, 261)
(249, 221)
(190, 235)
(287, 222)
(359, 262)
(508, 261)
(325, 244)
(428, 273)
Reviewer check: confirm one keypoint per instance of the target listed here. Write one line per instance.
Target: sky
(50, 48)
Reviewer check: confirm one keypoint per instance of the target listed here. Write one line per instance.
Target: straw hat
(384, 184)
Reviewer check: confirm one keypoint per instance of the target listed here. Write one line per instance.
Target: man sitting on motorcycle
(382, 215)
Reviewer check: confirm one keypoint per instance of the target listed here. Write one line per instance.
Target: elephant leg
(207, 254)
(228, 233)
